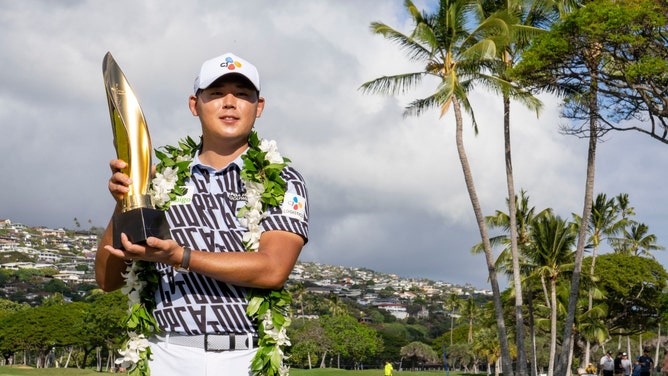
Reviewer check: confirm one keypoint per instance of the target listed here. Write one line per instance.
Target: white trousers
(169, 359)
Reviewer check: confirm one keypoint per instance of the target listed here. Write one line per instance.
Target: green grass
(21, 371)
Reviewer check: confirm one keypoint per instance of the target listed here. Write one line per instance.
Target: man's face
(227, 109)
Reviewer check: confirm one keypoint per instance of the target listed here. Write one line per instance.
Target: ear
(260, 107)
(192, 104)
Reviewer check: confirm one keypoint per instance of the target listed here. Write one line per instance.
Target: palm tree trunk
(532, 331)
(582, 237)
(69, 356)
(512, 212)
(658, 345)
(553, 327)
(570, 359)
(590, 302)
(322, 361)
(468, 178)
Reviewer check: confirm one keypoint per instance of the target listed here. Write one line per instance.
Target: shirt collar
(198, 163)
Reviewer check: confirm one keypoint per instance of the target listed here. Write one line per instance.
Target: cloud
(386, 192)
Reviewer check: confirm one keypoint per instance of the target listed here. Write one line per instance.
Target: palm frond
(415, 51)
(392, 85)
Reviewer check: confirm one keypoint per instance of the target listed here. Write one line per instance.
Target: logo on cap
(230, 64)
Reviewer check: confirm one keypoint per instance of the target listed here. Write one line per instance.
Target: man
(626, 364)
(388, 368)
(618, 367)
(646, 363)
(607, 364)
(204, 271)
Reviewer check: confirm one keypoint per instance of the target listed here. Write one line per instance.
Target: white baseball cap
(226, 64)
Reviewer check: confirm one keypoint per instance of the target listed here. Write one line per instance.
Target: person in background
(607, 364)
(591, 369)
(388, 368)
(664, 367)
(636, 368)
(618, 369)
(646, 363)
(626, 364)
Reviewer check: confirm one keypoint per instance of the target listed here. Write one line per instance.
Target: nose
(228, 101)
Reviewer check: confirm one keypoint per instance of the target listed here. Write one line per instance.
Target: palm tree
(298, 291)
(453, 52)
(637, 241)
(603, 222)
(470, 311)
(486, 345)
(452, 303)
(525, 216)
(551, 70)
(552, 253)
(510, 12)
(521, 21)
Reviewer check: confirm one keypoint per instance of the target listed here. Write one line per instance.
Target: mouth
(228, 118)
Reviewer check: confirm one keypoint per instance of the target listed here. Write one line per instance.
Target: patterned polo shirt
(206, 219)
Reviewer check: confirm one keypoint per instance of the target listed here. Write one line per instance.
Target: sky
(385, 192)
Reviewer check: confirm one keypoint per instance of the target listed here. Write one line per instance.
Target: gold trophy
(138, 219)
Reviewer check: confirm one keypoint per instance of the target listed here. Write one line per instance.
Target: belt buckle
(230, 344)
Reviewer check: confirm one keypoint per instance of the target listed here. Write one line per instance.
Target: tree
(602, 223)
(310, 343)
(419, 353)
(42, 328)
(525, 217)
(576, 59)
(452, 49)
(452, 303)
(633, 287)
(636, 74)
(486, 345)
(636, 241)
(470, 311)
(551, 255)
(461, 356)
(351, 339)
(522, 20)
(101, 323)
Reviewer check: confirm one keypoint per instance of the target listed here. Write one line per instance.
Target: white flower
(252, 240)
(254, 191)
(270, 147)
(162, 185)
(134, 298)
(133, 348)
(170, 175)
(281, 336)
(182, 158)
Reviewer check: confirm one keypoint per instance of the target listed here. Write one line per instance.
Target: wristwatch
(184, 265)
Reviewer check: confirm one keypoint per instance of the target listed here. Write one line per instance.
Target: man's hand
(155, 250)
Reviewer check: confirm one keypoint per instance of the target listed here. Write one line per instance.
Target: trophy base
(139, 224)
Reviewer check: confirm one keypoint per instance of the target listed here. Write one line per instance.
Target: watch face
(181, 269)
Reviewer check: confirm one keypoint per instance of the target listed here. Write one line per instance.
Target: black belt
(212, 342)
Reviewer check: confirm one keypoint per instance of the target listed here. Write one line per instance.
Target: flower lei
(264, 188)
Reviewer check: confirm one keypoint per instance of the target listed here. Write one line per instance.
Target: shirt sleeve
(292, 215)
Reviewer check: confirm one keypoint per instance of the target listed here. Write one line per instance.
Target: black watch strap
(185, 260)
